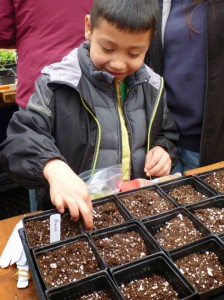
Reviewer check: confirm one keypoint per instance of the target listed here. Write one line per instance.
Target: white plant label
(55, 228)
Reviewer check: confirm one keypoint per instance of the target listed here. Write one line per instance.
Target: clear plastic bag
(103, 182)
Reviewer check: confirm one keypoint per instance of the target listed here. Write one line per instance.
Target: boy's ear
(88, 29)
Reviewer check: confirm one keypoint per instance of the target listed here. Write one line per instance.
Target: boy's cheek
(97, 62)
(137, 65)
(97, 59)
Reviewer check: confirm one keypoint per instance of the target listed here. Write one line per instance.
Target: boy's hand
(67, 190)
(158, 162)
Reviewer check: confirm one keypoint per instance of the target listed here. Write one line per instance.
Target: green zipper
(99, 136)
(155, 110)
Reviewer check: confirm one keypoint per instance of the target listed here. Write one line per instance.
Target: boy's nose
(118, 64)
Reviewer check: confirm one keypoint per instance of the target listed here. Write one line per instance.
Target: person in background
(100, 106)
(187, 51)
(42, 32)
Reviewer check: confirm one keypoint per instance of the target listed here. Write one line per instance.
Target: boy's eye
(134, 54)
(107, 50)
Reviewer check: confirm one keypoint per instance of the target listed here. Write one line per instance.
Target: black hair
(126, 15)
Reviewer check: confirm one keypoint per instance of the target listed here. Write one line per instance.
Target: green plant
(7, 57)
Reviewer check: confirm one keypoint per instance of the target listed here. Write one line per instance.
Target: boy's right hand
(67, 190)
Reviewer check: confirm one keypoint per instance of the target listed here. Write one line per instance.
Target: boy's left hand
(157, 162)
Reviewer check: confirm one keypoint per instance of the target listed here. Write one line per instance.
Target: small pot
(11, 66)
(7, 76)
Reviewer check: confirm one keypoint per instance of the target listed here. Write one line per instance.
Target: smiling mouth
(117, 75)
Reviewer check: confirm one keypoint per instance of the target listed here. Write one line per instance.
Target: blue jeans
(187, 160)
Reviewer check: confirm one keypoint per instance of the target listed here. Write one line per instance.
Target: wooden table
(205, 169)
(8, 288)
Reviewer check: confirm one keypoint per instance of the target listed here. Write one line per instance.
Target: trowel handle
(166, 178)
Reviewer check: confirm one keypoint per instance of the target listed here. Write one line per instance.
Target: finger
(57, 200)
(72, 205)
(161, 169)
(149, 162)
(89, 203)
(153, 171)
(154, 166)
(86, 211)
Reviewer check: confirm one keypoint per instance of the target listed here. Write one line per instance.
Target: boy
(99, 107)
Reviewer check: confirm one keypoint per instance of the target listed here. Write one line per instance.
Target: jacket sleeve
(7, 24)
(30, 143)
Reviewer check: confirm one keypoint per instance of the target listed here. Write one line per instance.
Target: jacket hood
(68, 70)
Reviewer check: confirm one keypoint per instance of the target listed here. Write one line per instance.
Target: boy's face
(117, 52)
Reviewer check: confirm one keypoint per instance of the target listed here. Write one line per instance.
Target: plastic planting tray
(221, 237)
(210, 243)
(36, 273)
(134, 225)
(203, 176)
(120, 209)
(215, 202)
(85, 287)
(194, 182)
(45, 216)
(154, 188)
(157, 264)
(156, 261)
(153, 225)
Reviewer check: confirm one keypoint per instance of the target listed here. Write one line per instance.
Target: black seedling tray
(204, 175)
(188, 180)
(44, 216)
(221, 237)
(154, 188)
(145, 227)
(36, 272)
(100, 281)
(134, 225)
(157, 264)
(66, 292)
(209, 243)
(153, 225)
(120, 208)
(217, 201)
